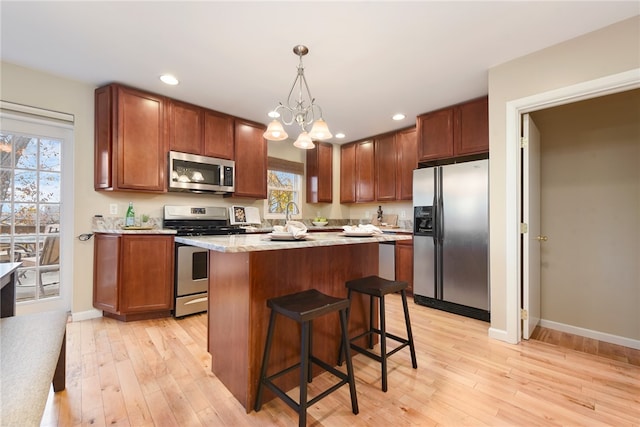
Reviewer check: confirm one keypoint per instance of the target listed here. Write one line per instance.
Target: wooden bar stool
(375, 286)
(303, 307)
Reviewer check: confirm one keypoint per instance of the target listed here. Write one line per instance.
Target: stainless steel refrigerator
(451, 238)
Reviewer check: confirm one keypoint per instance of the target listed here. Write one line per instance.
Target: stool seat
(307, 305)
(303, 307)
(376, 286)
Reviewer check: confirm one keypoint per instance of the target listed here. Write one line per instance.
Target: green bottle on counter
(130, 217)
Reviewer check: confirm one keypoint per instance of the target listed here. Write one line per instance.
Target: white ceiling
(367, 60)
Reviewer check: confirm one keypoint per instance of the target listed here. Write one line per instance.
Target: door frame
(614, 83)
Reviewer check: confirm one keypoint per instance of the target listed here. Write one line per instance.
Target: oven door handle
(197, 300)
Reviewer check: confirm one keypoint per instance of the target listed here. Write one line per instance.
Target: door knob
(542, 238)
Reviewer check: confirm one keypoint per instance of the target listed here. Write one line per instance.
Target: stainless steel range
(192, 263)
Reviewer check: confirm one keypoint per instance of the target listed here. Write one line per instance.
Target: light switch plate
(113, 209)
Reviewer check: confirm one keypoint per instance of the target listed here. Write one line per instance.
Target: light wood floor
(157, 373)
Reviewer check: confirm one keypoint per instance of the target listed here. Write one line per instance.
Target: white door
(532, 239)
(36, 208)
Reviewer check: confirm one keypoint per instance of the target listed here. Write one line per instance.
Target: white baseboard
(86, 315)
(588, 333)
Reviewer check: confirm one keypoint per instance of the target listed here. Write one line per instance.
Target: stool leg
(265, 360)
(345, 344)
(409, 334)
(310, 352)
(383, 344)
(304, 374)
(371, 311)
(341, 350)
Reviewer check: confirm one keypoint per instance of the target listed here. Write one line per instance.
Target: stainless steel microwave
(199, 174)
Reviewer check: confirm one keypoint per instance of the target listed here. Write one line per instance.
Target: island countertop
(262, 242)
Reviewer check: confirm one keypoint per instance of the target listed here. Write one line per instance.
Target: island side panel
(228, 334)
(241, 283)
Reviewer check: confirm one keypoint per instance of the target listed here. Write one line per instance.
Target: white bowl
(320, 224)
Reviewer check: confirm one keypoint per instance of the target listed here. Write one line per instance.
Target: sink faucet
(287, 215)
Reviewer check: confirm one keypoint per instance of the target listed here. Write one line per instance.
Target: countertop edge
(261, 242)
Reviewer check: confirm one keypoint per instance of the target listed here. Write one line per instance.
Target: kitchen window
(284, 185)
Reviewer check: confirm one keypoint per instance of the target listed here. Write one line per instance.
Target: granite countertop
(262, 242)
(134, 231)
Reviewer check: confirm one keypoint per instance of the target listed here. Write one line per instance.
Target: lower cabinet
(133, 275)
(404, 263)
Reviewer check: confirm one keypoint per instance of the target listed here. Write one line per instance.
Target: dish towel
(362, 228)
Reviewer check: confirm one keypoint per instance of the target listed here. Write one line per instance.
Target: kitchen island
(246, 270)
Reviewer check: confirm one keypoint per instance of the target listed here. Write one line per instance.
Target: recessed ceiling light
(398, 116)
(273, 114)
(340, 135)
(169, 79)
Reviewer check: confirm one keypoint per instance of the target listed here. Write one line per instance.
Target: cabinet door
(140, 148)
(365, 172)
(320, 173)
(106, 272)
(218, 135)
(407, 149)
(386, 167)
(185, 127)
(147, 273)
(404, 263)
(472, 127)
(435, 135)
(251, 160)
(347, 173)
(103, 156)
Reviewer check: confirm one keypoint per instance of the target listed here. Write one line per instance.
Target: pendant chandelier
(302, 111)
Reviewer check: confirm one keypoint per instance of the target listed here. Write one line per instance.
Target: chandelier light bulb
(275, 132)
(304, 141)
(320, 130)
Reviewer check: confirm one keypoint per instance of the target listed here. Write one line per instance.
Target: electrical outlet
(403, 214)
(367, 214)
(113, 209)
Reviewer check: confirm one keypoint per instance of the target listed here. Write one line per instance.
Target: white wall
(590, 210)
(602, 53)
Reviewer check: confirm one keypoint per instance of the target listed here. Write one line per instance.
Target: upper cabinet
(218, 135)
(320, 173)
(196, 130)
(347, 173)
(130, 143)
(378, 169)
(407, 156)
(184, 127)
(455, 131)
(386, 158)
(251, 160)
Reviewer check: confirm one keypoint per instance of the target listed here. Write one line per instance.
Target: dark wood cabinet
(404, 263)
(218, 135)
(472, 128)
(365, 171)
(386, 160)
(348, 173)
(379, 169)
(133, 275)
(251, 160)
(319, 174)
(184, 127)
(407, 153)
(455, 131)
(130, 143)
